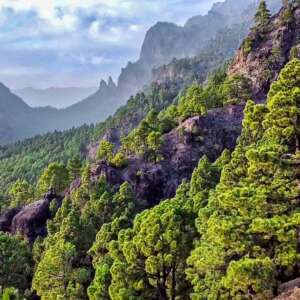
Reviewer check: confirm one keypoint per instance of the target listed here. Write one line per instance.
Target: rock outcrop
(182, 148)
(30, 220)
(289, 290)
(165, 41)
(270, 51)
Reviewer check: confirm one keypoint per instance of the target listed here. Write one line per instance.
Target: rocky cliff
(270, 49)
(182, 148)
(165, 41)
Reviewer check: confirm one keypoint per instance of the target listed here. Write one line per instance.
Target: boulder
(30, 221)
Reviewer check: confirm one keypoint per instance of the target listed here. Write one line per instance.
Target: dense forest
(231, 230)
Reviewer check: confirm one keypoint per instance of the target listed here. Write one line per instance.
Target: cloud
(76, 41)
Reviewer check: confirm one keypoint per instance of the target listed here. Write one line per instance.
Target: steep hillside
(165, 41)
(267, 50)
(227, 169)
(162, 43)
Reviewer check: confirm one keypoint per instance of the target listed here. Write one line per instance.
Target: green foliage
(248, 45)
(257, 273)
(145, 140)
(11, 294)
(21, 193)
(204, 178)
(236, 90)
(74, 168)
(105, 150)
(125, 209)
(52, 277)
(149, 259)
(55, 176)
(27, 159)
(193, 103)
(249, 228)
(262, 15)
(119, 160)
(15, 262)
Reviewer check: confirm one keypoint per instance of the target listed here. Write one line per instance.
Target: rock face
(269, 53)
(29, 221)
(183, 147)
(165, 41)
(289, 290)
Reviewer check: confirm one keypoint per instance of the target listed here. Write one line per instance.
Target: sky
(78, 42)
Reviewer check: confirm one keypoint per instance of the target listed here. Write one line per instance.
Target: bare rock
(6, 219)
(182, 148)
(30, 220)
(270, 52)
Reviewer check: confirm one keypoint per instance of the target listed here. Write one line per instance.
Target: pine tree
(249, 241)
(21, 193)
(74, 168)
(105, 150)
(125, 209)
(149, 259)
(55, 176)
(262, 15)
(15, 262)
(52, 277)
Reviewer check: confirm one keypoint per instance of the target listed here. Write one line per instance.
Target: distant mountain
(163, 42)
(59, 97)
(95, 108)
(18, 120)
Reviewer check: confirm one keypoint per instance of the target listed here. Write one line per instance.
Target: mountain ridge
(133, 78)
(57, 97)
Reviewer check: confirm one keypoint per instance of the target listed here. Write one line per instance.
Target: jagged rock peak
(111, 83)
(103, 84)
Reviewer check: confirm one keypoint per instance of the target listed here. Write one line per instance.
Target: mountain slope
(230, 232)
(165, 41)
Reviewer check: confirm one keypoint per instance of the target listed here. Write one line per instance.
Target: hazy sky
(77, 42)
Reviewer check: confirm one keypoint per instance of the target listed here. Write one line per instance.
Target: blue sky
(77, 42)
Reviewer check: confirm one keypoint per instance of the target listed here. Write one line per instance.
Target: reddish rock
(270, 52)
